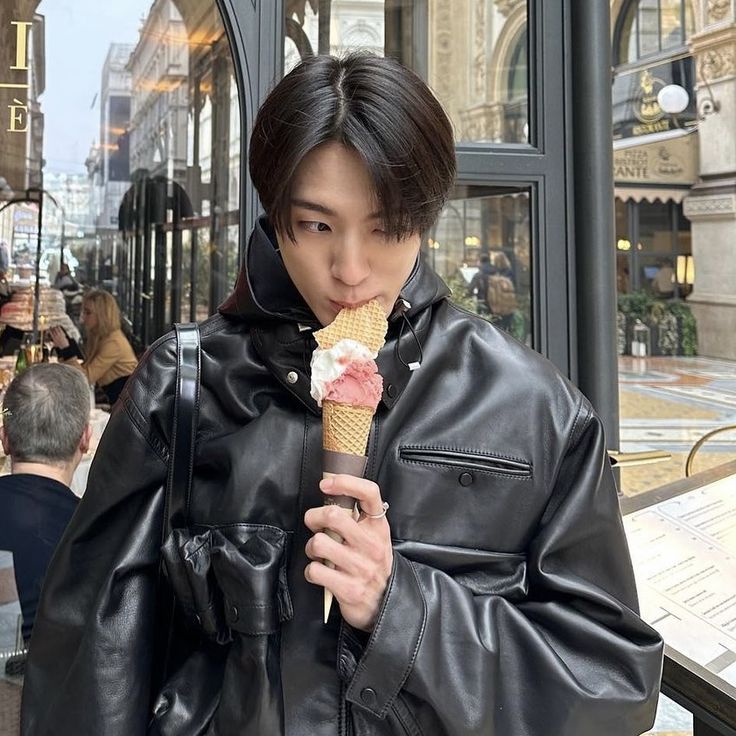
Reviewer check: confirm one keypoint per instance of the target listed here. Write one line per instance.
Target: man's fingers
(334, 518)
(366, 492)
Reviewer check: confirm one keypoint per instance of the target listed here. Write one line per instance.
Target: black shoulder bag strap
(178, 484)
(184, 429)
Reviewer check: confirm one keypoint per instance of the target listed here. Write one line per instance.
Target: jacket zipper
(466, 460)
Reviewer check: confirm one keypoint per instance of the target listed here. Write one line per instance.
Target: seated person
(108, 358)
(45, 433)
(663, 283)
(64, 280)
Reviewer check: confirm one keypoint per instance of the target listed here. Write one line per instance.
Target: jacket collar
(281, 323)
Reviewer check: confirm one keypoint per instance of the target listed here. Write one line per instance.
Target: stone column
(711, 204)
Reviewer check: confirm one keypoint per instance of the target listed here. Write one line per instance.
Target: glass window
(474, 56)
(663, 239)
(648, 27)
(623, 248)
(144, 139)
(480, 246)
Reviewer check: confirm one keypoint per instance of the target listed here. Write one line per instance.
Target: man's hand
(363, 561)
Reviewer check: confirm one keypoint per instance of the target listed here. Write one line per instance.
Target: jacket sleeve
(570, 657)
(88, 671)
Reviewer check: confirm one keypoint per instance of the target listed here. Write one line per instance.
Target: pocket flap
(250, 567)
(230, 578)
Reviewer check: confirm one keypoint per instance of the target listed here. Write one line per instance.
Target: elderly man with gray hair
(45, 433)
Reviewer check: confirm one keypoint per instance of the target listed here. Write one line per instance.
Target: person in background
(4, 257)
(663, 283)
(478, 286)
(108, 358)
(5, 292)
(45, 433)
(502, 265)
(64, 280)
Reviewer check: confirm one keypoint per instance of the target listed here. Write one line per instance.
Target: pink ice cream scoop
(358, 385)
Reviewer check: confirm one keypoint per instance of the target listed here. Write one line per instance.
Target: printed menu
(684, 555)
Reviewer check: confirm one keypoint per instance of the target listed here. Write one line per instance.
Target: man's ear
(4, 440)
(85, 439)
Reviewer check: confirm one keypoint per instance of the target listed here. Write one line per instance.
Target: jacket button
(466, 479)
(234, 613)
(368, 696)
(391, 390)
(292, 376)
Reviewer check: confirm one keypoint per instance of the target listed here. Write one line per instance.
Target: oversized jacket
(511, 609)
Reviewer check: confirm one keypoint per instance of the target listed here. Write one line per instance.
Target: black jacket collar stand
(281, 323)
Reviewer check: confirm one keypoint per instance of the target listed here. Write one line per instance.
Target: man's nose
(350, 262)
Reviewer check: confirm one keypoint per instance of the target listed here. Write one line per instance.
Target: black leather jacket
(511, 609)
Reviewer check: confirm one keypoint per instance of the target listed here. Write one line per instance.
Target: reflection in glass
(136, 142)
(649, 27)
(473, 55)
(481, 248)
(663, 237)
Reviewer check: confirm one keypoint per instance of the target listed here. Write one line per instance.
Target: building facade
(675, 180)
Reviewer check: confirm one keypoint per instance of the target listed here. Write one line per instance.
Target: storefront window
(474, 55)
(134, 139)
(648, 27)
(480, 246)
(653, 249)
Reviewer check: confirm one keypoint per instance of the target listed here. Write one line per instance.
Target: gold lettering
(21, 43)
(657, 127)
(18, 117)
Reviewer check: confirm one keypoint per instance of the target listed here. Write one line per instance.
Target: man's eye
(313, 226)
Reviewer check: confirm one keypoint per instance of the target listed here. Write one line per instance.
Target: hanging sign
(635, 108)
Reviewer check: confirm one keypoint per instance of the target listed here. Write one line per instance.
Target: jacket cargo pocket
(230, 578)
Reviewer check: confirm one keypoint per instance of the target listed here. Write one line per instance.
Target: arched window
(518, 69)
(650, 27)
(517, 92)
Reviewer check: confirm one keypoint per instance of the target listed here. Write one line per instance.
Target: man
(45, 433)
(496, 597)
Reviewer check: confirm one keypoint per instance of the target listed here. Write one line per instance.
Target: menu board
(684, 555)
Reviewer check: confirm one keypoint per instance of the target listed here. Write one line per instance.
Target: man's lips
(348, 305)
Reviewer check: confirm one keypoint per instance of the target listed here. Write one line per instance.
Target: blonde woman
(108, 357)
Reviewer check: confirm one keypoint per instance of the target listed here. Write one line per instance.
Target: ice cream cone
(345, 426)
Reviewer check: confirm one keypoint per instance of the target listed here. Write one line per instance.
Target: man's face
(341, 256)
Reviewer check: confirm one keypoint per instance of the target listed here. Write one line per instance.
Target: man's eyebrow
(307, 205)
(316, 207)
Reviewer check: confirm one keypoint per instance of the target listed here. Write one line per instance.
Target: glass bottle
(21, 362)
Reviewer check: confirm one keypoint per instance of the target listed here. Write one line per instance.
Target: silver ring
(384, 505)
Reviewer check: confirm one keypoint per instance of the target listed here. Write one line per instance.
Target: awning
(651, 194)
(660, 166)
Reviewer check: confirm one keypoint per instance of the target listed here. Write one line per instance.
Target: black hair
(372, 104)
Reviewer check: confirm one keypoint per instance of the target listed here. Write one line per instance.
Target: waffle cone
(366, 324)
(345, 428)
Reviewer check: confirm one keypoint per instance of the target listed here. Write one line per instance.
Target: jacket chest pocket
(469, 498)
